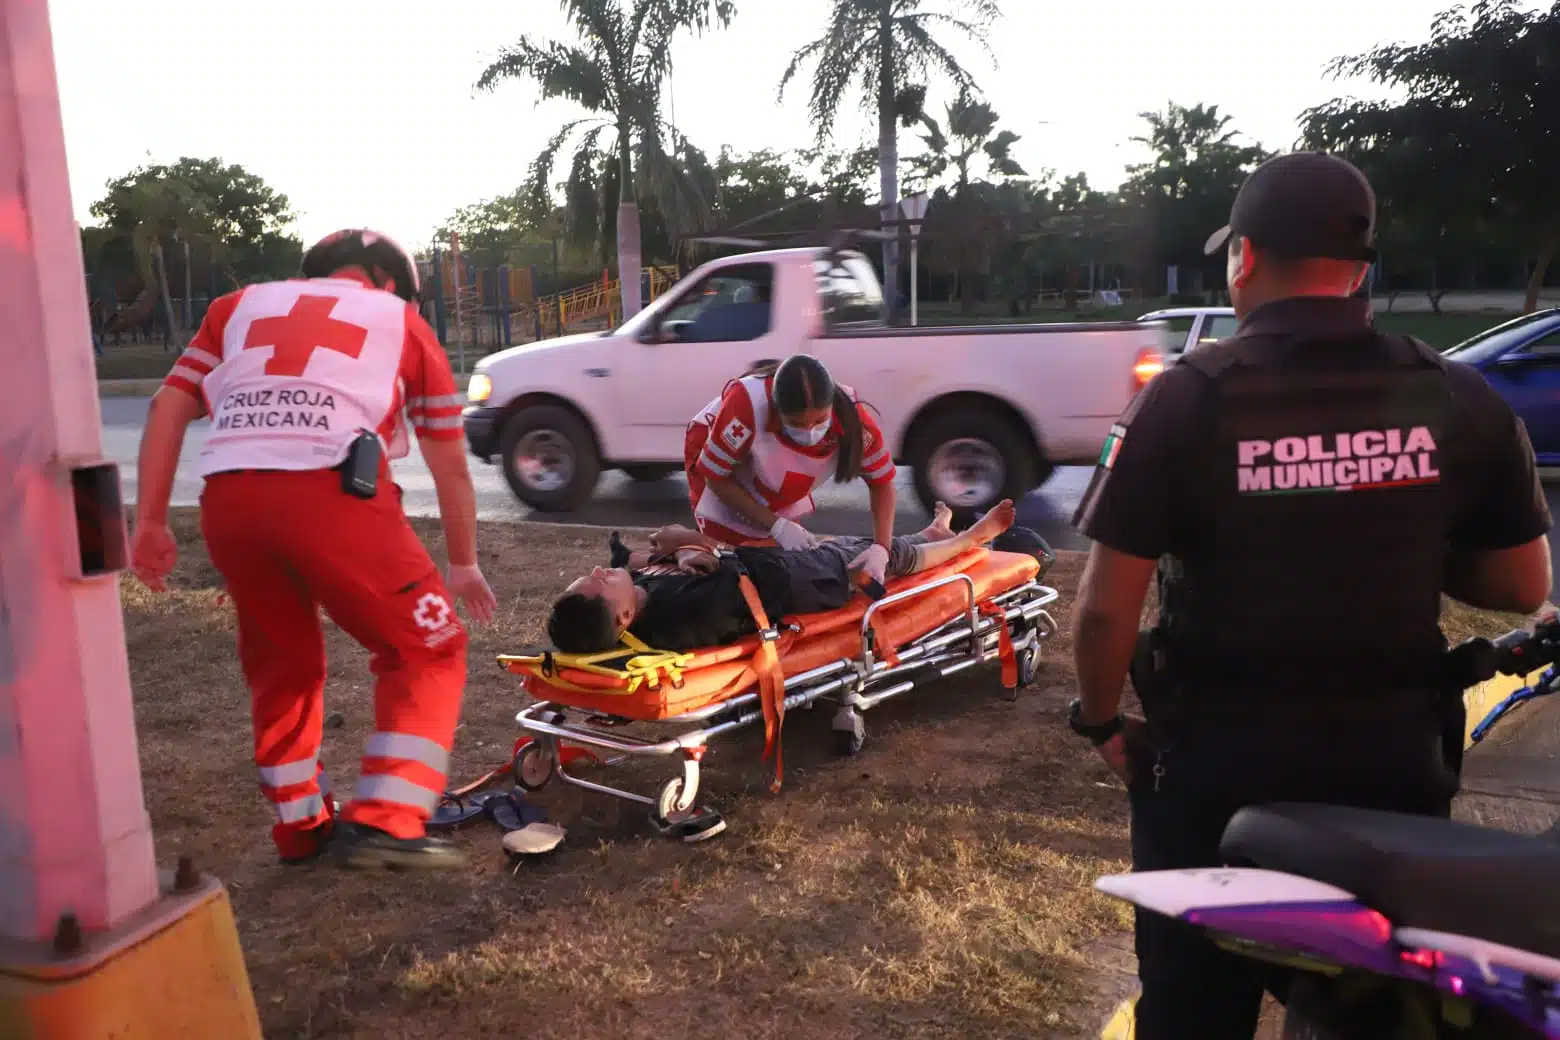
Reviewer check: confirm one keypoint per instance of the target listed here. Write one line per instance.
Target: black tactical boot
(357, 847)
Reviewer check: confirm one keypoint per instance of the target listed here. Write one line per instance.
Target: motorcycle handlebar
(1518, 652)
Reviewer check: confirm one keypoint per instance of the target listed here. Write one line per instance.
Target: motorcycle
(1400, 926)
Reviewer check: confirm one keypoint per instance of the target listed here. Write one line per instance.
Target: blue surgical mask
(808, 436)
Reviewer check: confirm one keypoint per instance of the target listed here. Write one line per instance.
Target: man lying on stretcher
(682, 596)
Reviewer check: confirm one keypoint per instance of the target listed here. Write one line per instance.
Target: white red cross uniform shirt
(747, 444)
(291, 371)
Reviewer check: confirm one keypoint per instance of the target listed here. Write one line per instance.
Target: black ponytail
(802, 383)
(847, 455)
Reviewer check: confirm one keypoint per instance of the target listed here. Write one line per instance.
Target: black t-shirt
(1136, 502)
(691, 611)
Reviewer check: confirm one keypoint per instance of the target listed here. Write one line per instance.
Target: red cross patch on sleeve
(736, 434)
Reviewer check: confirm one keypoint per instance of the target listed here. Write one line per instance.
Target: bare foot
(997, 519)
(941, 527)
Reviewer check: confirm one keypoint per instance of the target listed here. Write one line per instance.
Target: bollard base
(173, 970)
(1121, 1024)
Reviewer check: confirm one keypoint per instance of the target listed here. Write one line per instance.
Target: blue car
(1521, 360)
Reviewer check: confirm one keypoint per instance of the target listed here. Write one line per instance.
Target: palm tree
(885, 47)
(968, 222)
(614, 72)
(971, 133)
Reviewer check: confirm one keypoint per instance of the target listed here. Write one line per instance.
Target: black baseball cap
(1304, 205)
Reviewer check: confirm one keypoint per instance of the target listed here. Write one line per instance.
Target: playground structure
(489, 308)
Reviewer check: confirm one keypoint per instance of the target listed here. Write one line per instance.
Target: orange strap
(771, 679)
(882, 645)
(1005, 652)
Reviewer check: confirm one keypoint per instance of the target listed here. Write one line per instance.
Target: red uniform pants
(289, 543)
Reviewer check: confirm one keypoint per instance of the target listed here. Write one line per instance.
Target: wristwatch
(1097, 734)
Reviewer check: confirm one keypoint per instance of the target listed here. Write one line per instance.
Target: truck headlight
(480, 388)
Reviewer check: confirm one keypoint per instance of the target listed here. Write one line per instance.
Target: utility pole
(94, 941)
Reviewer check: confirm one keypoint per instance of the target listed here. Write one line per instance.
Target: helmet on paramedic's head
(360, 247)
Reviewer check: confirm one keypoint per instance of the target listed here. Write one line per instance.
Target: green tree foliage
(195, 214)
(623, 148)
(1470, 149)
(885, 50)
(1187, 188)
(969, 135)
(221, 207)
(967, 223)
(769, 191)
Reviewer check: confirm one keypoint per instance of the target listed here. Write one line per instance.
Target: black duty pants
(1191, 989)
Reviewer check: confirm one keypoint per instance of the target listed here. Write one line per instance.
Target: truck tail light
(1149, 364)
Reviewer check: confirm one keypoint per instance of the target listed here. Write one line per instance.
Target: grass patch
(936, 885)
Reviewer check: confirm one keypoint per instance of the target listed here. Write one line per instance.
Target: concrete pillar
(74, 833)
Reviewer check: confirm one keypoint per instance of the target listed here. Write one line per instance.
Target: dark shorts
(820, 578)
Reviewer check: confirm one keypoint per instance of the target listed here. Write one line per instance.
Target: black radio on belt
(360, 469)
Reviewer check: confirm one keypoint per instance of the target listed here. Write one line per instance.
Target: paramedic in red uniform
(300, 379)
(755, 454)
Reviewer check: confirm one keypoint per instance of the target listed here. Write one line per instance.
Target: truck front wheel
(549, 458)
(971, 460)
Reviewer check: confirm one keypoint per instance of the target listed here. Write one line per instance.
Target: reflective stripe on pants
(289, 543)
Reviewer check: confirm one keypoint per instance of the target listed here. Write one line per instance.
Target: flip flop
(533, 839)
(455, 810)
(512, 812)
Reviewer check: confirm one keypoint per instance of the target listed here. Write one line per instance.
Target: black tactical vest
(1316, 569)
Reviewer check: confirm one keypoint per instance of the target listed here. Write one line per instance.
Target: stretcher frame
(855, 684)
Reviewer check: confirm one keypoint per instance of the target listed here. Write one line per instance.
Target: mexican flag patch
(1112, 446)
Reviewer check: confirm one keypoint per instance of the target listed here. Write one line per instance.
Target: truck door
(716, 329)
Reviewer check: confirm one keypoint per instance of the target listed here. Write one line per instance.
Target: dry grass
(936, 885)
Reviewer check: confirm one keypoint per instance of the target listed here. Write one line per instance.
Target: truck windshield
(849, 291)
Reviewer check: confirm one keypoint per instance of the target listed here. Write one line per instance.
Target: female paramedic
(755, 454)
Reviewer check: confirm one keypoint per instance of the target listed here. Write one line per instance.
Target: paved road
(619, 501)
(622, 502)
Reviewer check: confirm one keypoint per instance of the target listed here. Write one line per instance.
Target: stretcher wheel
(850, 731)
(675, 802)
(1028, 663)
(534, 765)
(848, 743)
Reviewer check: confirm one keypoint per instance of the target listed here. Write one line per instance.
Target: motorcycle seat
(1417, 871)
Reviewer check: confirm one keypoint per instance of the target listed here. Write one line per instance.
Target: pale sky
(364, 113)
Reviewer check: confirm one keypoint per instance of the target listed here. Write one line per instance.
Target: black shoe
(357, 847)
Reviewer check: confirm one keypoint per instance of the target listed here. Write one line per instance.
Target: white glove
(788, 534)
(873, 562)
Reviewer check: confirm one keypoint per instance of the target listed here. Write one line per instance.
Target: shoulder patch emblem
(736, 434)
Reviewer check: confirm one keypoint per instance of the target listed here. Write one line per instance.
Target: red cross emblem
(794, 488)
(735, 434)
(296, 335)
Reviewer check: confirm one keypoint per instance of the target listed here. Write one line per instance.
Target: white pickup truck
(976, 413)
(1190, 326)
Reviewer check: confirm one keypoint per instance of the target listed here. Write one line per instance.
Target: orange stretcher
(981, 606)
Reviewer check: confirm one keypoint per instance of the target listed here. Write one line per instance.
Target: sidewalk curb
(128, 387)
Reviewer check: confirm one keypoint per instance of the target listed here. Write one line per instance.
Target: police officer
(1312, 487)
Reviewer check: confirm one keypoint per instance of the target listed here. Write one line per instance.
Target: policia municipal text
(1310, 488)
